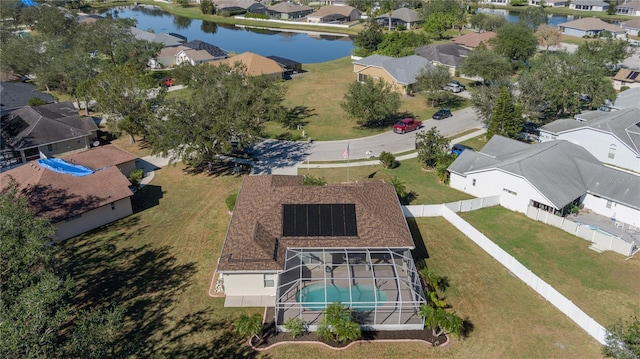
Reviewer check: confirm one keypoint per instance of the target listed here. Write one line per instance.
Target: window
(473, 182)
(362, 77)
(113, 206)
(612, 151)
(269, 280)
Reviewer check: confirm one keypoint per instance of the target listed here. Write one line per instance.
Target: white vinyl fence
(566, 306)
(601, 240)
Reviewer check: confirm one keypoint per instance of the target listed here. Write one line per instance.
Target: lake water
(552, 19)
(301, 47)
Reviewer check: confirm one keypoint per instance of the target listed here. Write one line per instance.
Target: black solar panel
(633, 75)
(319, 220)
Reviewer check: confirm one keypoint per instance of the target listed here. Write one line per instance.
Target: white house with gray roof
(588, 5)
(549, 175)
(611, 137)
(401, 73)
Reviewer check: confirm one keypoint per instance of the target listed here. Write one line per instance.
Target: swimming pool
(363, 296)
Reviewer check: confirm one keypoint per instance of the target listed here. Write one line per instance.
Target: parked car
(456, 83)
(453, 88)
(167, 82)
(458, 148)
(406, 125)
(531, 128)
(442, 114)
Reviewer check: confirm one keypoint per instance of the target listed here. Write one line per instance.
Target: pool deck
(616, 228)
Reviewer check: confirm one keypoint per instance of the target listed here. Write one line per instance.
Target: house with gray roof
(550, 175)
(240, 6)
(591, 26)
(626, 99)
(611, 137)
(162, 38)
(287, 10)
(588, 5)
(14, 95)
(450, 56)
(198, 52)
(632, 26)
(33, 132)
(409, 18)
(630, 8)
(401, 73)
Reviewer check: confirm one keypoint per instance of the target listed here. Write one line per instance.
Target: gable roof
(627, 99)
(238, 4)
(627, 75)
(59, 196)
(289, 7)
(164, 39)
(591, 23)
(329, 10)
(448, 54)
(560, 170)
(404, 70)
(14, 95)
(171, 51)
(33, 126)
(255, 64)
(632, 24)
(101, 156)
(474, 39)
(630, 5)
(404, 14)
(212, 50)
(590, 3)
(255, 238)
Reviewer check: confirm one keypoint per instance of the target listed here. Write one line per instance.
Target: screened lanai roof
(380, 285)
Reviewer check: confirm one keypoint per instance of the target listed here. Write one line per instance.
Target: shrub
(337, 324)
(225, 14)
(624, 88)
(135, 177)
(36, 101)
(231, 201)
(295, 326)
(251, 15)
(388, 160)
(310, 180)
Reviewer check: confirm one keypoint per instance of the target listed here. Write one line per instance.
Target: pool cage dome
(381, 286)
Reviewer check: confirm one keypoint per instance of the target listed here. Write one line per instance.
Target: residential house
(450, 56)
(88, 18)
(495, 2)
(409, 18)
(632, 26)
(33, 132)
(588, 5)
(74, 204)
(550, 175)
(167, 57)
(626, 77)
(334, 14)
(105, 156)
(401, 73)
(549, 3)
(611, 137)
(626, 99)
(591, 27)
(254, 64)
(631, 8)
(14, 95)
(162, 38)
(296, 247)
(287, 10)
(288, 65)
(199, 52)
(474, 39)
(240, 6)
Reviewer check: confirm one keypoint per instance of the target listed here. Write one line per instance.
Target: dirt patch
(272, 337)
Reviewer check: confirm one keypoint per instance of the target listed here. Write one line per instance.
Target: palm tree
(388, 6)
(430, 277)
(337, 324)
(452, 324)
(433, 317)
(250, 326)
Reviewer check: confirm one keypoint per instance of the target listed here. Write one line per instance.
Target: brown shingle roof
(473, 39)
(591, 23)
(255, 64)
(254, 239)
(101, 156)
(58, 196)
(333, 9)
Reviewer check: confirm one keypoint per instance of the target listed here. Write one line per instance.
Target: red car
(406, 125)
(167, 81)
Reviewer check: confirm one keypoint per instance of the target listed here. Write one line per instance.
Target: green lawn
(476, 143)
(604, 285)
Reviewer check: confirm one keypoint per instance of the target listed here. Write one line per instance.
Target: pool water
(363, 296)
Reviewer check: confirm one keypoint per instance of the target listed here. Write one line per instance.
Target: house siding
(376, 72)
(618, 211)
(248, 284)
(494, 183)
(127, 167)
(598, 144)
(93, 219)
(65, 146)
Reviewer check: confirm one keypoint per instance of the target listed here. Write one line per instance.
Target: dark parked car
(530, 127)
(442, 114)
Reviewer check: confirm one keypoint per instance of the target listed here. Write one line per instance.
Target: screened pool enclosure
(380, 285)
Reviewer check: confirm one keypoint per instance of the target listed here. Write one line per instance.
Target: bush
(388, 160)
(310, 180)
(624, 88)
(36, 101)
(251, 15)
(231, 201)
(225, 14)
(135, 177)
(295, 326)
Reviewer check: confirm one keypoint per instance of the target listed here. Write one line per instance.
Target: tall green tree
(484, 98)
(431, 144)
(548, 36)
(127, 96)
(401, 43)
(533, 17)
(515, 42)
(207, 7)
(623, 339)
(486, 64)
(487, 22)
(226, 106)
(605, 52)
(437, 23)
(506, 119)
(369, 38)
(432, 81)
(370, 102)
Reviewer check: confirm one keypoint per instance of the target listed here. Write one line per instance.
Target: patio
(619, 229)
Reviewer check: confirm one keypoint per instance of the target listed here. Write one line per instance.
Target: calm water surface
(301, 47)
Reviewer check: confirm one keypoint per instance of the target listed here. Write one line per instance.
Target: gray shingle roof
(403, 13)
(590, 3)
(404, 70)
(14, 95)
(560, 170)
(164, 39)
(627, 99)
(213, 50)
(447, 54)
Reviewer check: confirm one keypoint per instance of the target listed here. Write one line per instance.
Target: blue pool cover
(61, 166)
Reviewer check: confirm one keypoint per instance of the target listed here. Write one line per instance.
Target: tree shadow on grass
(467, 328)
(146, 197)
(420, 253)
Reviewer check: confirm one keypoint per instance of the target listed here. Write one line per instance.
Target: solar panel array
(319, 220)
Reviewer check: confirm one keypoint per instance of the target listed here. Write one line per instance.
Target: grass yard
(476, 143)
(424, 183)
(604, 285)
